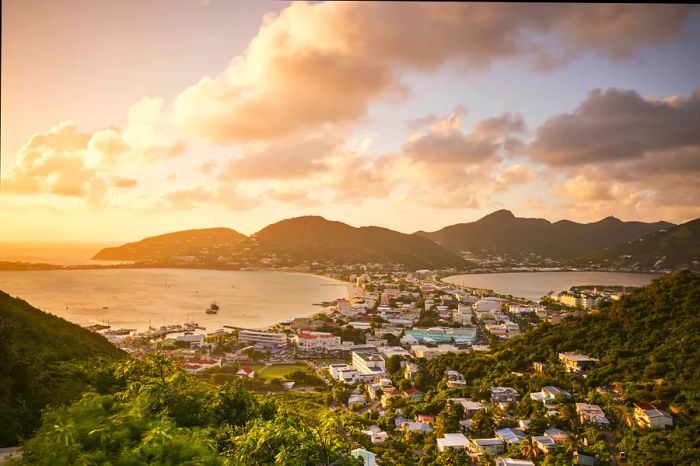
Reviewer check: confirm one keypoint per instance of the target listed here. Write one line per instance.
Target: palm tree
(528, 449)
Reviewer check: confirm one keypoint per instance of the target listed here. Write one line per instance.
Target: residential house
(479, 446)
(368, 458)
(510, 436)
(504, 395)
(577, 363)
(649, 416)
(592, 414)
(246, 371)
(452, 440)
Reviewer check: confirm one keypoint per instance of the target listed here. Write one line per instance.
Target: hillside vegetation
(314, 238)
(37, 356)
(676, 247)
(179, 243)
(501, 232)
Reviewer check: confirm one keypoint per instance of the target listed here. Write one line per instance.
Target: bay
(534, 285)
(137, 298)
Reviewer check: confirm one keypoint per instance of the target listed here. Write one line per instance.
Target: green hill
(501, 232)
(36, 353)
(676, 247)
(179, 243)
(316, 239)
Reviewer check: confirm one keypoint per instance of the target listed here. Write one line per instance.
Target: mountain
(179, 243)
(501, 232)
(676, 247)
(36, 353)
(316, 239)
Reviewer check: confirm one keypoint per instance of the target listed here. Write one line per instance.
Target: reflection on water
(534, 285)
(133, 298)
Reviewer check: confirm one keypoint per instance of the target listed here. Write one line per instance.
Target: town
(371, 351)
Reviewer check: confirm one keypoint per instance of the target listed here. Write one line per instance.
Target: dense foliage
(38, 355)
(150, 412)
(671, 248)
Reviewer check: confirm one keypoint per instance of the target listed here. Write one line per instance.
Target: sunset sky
(124, 119)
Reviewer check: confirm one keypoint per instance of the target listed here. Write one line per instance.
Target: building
(501, 461)
(544, 443)
(316, 341)
(487, 305)
(410, 370)
(649, 416)
(440, 335)
(592, 414)
(246, 372)
(462, 315)
(368, 458)
(539, 367)
(582, 300)
(452, 441)
(479, 446)
(260, 336)
(504, 395)
(510, 436)
(549, 394)
(376, 434)
(470, 407)
(191, 339)
(455, 379)
(344, 373)
(368, 363)
(577, 363)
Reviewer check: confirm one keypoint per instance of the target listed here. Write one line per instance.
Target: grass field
(279, 371)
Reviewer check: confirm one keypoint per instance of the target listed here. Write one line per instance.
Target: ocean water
(534, 285)
(137, 298)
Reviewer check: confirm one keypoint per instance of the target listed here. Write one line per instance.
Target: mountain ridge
(501, 232)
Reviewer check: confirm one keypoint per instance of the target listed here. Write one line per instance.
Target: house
(369, 458)
(455, 379)
(510, 436)
(592, 414)
(649, 416)
(479, 446)
(413, 393)
(558, 435)
(501, 461)
(544, 443)
(539, 367)
(470, 407)
(504, 395)
(375, 434)
(453, 440)
(585, 458)
(577, 363)
(195, 365)
(415, 426)
(549, 394)
(356, 400)
(410, 370)
(246, 371)
(427, 418)
(389, 393)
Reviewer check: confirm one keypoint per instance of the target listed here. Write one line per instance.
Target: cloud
(324, 63)
(615, 125)
(52, 163)
(292, 158)
(119, 182)
(619, 153)
(515, 174)
(67, 161)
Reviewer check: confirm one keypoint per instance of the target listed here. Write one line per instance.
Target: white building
(316, 341)
(264, 337)
(452, 441)
(368, 363)
(462, 315)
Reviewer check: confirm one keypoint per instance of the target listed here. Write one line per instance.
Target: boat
(213, 308)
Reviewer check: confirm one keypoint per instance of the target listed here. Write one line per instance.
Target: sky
(128, 119)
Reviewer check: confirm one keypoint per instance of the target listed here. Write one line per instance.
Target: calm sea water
(53, 253)
(136, 297)
(534, 285)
